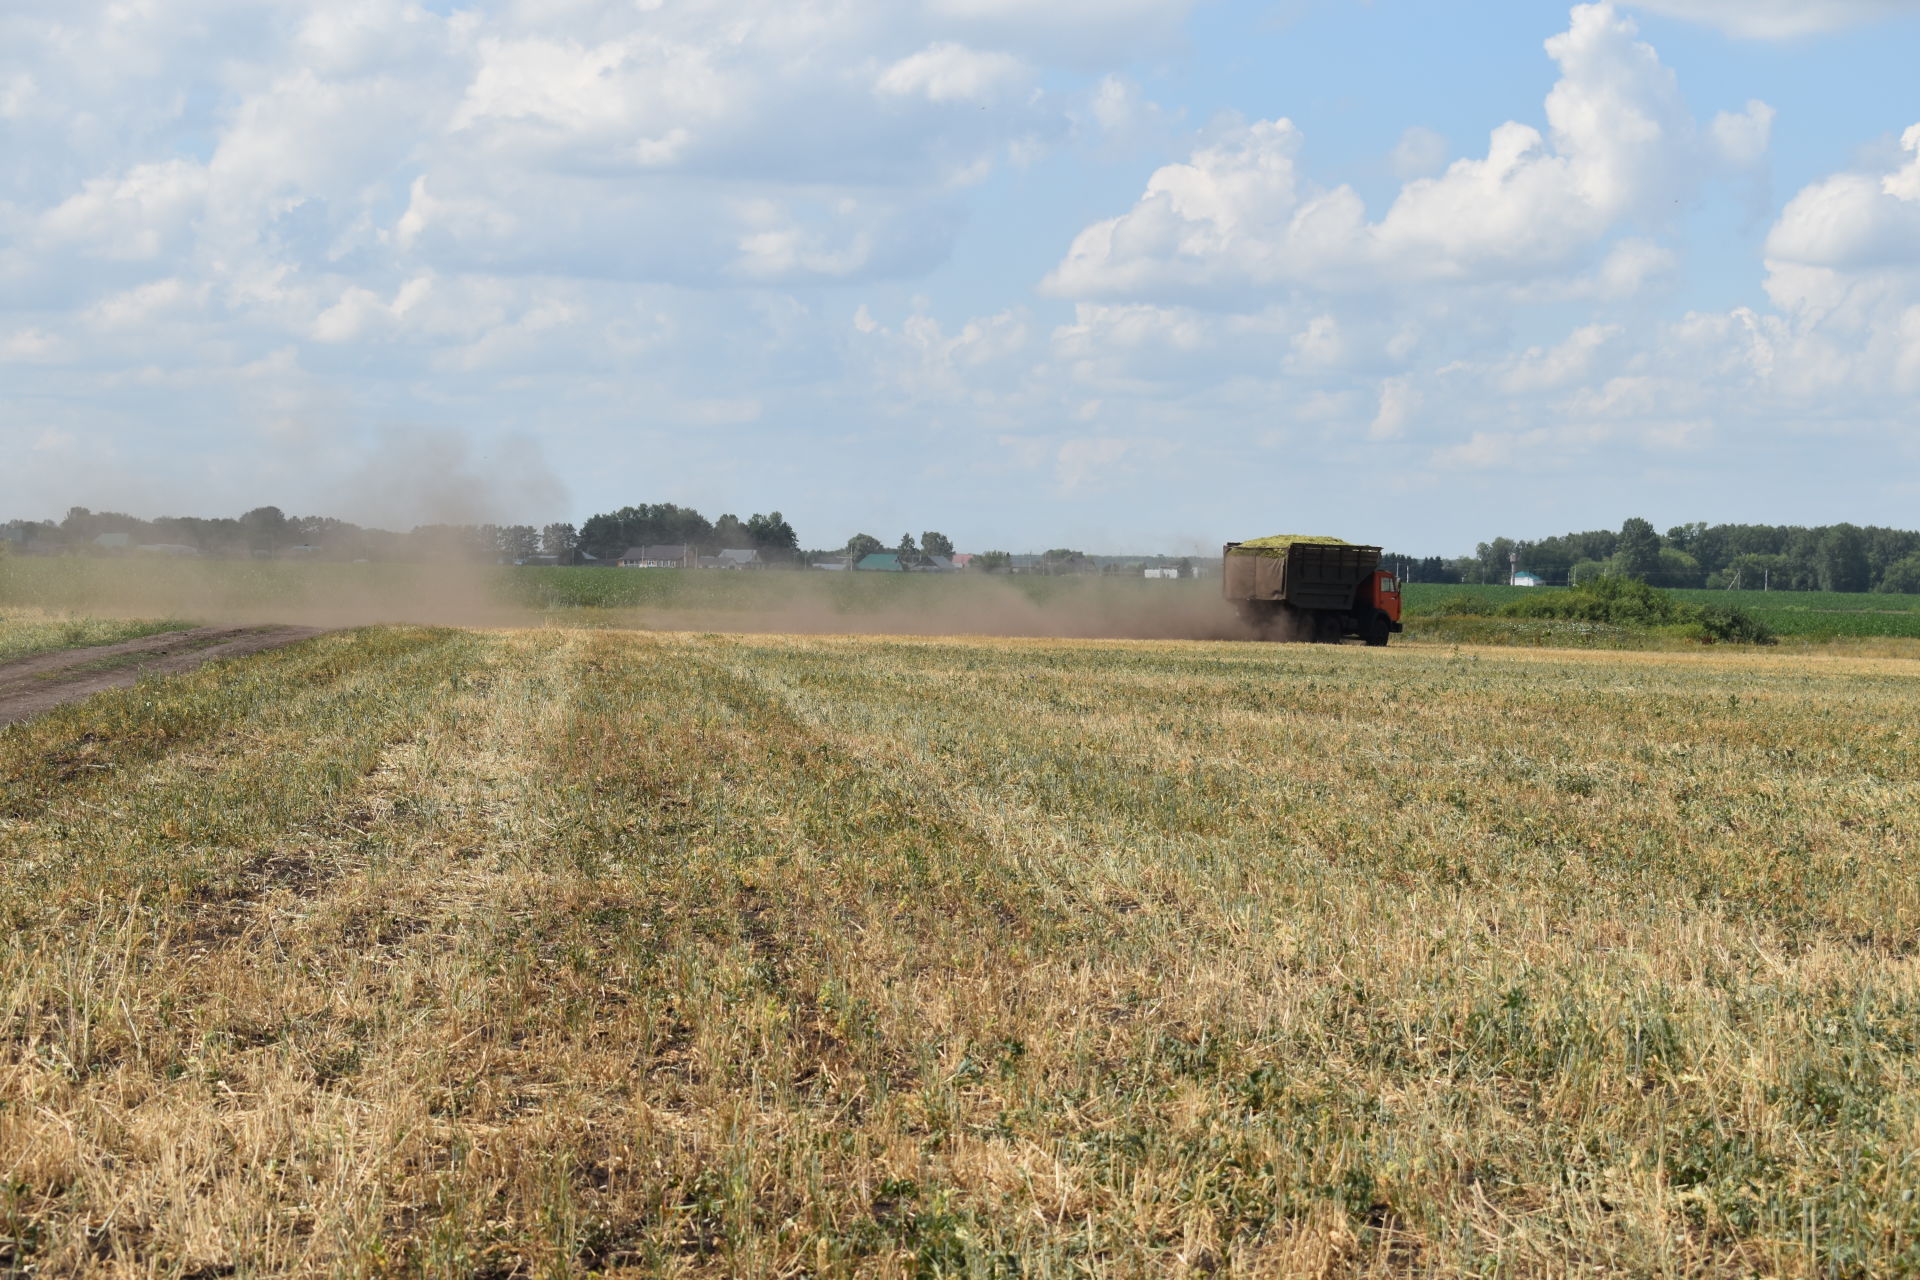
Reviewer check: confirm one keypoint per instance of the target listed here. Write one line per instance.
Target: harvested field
(427, 952)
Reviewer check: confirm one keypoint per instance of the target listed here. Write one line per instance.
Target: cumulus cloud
(1621, 147)
(358, 309)
(981, 363)
(142, 305)
(1853, 220)
(698, 141)
(948, 72)
(1843, 266)
(138, 215)
(30, 346)
(1538, 369)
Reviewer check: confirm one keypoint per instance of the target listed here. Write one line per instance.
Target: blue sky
(1115, 274)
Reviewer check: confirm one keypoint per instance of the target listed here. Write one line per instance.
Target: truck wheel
(1379, 627)
(1326, 628)
(1260, 616)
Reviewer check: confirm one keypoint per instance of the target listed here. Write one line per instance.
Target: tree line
(661, 524)
(606, 535)
(603, 538)
(1837, 557)
(270, 532)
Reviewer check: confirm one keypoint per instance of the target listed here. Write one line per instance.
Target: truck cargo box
(1306, 573)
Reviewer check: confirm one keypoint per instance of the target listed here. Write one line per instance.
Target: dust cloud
(399, 479)
(770, 602)
(409, 476)
(1094, 608)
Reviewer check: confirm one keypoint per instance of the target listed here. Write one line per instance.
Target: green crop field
(430, 952)
(1814, 615)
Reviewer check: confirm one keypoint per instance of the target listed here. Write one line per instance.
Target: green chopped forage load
(1277, 544)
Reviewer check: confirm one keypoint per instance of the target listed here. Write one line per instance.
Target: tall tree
(603, 536)
(518, 542)
(1496, 559)
(1682, 537)
(1840, 559)
(1638, 553)
(936, 544)
(650, 524)
(559, 541)
(771, 535)
(265, 528)
(863, 544)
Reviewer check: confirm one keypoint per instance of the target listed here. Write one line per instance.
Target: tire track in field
(1033, 862)
(33, 686)
(80, 755)
(205, 790)
(761, 778)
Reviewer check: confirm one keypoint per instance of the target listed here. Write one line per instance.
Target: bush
(1730, 625)
(1629, 602)
(1620, 600)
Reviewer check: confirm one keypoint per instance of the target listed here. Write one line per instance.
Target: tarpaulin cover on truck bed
(1277, 544)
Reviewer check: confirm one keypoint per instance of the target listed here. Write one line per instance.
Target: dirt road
(33, 686)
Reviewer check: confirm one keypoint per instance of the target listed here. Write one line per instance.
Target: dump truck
(1291, 587)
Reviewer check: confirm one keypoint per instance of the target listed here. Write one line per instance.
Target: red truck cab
(1386, 595)
(1379, 607)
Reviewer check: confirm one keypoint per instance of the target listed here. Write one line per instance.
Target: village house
(671, 556)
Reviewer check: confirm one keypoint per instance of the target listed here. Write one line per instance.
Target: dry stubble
(416, 952)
